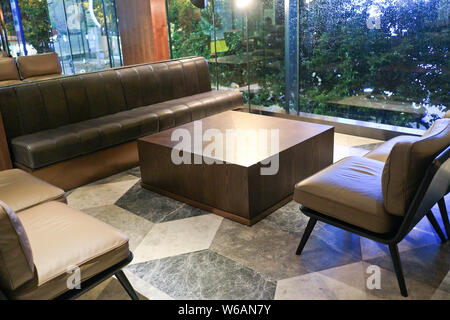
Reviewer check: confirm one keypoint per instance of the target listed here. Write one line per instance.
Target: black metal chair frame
(434, 186)
(92, 282)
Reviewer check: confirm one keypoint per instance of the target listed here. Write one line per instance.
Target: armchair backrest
(406, 165)
(8, 69)
(16, 259)
(39, 65)
(434, 186)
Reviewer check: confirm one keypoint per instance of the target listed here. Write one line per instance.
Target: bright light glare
(243, 3)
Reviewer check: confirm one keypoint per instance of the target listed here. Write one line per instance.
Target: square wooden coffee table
(233, 185)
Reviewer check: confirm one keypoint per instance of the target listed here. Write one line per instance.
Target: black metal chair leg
(126, 285)
(306, 234)
(444, 215)
(398, 269)
(436, 226)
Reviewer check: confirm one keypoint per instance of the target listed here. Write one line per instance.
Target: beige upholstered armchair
(39, 67)
(43, 242)
(383, 195)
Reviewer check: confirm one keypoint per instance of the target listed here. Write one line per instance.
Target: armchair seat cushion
(350, 191)
(20, 190)
(382, 152)
(44, 77)
(9, 82)
(62, 238)
(47, 147)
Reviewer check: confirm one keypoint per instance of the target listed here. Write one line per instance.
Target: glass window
(383, 61)
(375, 60)
(84, 33)
(192, 33)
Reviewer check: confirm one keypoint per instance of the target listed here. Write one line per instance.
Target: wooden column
(143, 30)
(5, 158)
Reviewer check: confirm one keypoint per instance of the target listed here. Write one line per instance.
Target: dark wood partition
(143, 30)
(5, 158)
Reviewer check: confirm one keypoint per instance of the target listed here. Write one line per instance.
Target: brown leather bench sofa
(74, 130)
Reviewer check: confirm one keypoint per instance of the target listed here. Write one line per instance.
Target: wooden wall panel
(143, 30)
(5, 158)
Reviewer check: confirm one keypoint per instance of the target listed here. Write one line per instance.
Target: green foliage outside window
(36, 24)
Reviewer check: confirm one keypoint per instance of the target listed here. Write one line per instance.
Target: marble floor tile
(357, 274)
(445, 284)
(429, 264)
(351, 141)
(136, 171)
(178, 237)
(114, 291)
(415, 239)
(155, 207)
(145, 289)
(425, 225)
(272, 252)
(204, 275)
(123, 176)
(315, 286)
(95, 292)
(440, 295)
(98, 195)
(135, 227)
(264, 249)
(290, 219)
(347, 145)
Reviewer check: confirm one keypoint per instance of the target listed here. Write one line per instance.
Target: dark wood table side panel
(295, 164)
(221, 186)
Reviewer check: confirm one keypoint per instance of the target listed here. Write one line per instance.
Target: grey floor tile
(204, 275)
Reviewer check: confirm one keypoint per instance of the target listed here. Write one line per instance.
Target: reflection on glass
(192, 34)
(84, 33)
(383, 61)
(375, 60)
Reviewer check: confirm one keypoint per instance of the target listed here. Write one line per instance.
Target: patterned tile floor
(183, 252)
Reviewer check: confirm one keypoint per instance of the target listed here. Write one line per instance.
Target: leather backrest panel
(113, 91)
(32, 111)
(406, 166)
(8, 69)
(39, 65)
(95, 90)
(16, 259)
(76, 98)
(54, 100)
(32, 107)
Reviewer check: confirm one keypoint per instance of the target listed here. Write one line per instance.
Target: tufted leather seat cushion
(21, 190)
(350, 191)
(9, 82)
(46, 147)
